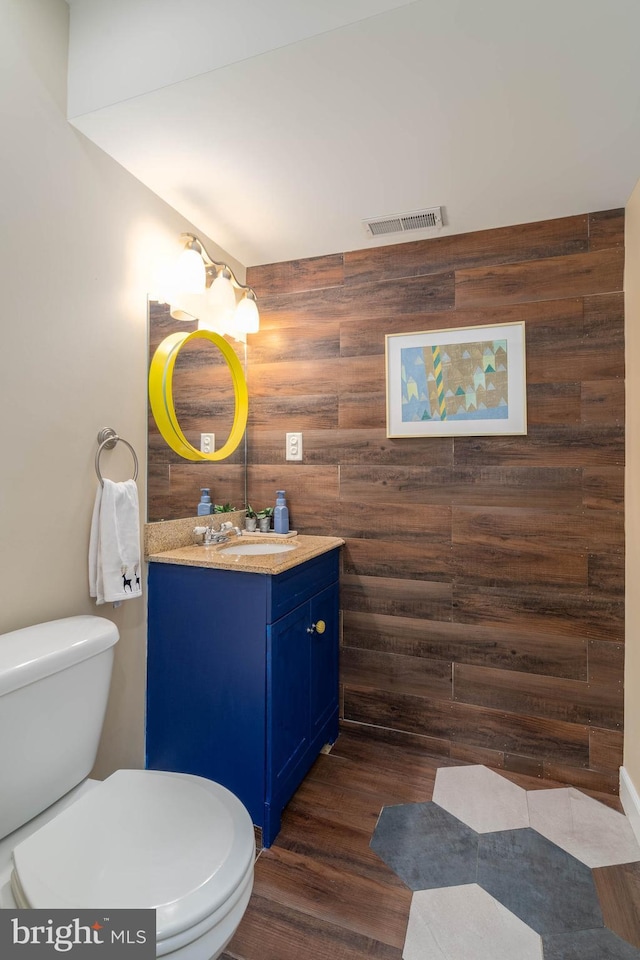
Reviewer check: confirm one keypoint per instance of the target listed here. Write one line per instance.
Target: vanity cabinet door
(288, 666)
(323, 679)
(302, 695)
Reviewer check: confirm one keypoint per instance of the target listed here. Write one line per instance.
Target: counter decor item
(281, 514)
(205, 506)
(251, 520)
(264, 519)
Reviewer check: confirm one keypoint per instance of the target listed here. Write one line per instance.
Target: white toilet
(179, 844)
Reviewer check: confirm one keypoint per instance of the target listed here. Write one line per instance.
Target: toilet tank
(54, 684)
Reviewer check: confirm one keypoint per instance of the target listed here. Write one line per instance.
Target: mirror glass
(204, 402)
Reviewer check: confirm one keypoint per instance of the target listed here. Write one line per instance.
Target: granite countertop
(214, 556)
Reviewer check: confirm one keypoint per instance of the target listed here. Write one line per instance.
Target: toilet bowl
(178, 843)
(173, 842)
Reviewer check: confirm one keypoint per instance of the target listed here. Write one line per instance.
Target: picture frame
(465, 381)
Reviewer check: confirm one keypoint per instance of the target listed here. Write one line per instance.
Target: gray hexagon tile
(481, 798)
(546, 887)
(588, 945)
(489, 931)
(425, 845)
(588, 830)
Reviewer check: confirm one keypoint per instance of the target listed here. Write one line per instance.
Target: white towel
(114, 545)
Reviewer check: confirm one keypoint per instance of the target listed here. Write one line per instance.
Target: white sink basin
(257, 549)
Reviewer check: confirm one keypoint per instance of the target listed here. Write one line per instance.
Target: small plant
(223, 508)
(251, 512)
(263, 514)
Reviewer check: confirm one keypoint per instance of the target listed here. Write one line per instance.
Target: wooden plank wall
(482, 587)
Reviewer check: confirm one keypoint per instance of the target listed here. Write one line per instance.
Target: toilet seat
(177, 843)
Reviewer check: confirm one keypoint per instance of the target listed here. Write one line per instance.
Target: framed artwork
(465, 382)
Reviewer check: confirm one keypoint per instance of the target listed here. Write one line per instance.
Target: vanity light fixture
(190, 274)
(212, 300)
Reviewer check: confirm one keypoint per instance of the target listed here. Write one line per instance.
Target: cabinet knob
(318, 627)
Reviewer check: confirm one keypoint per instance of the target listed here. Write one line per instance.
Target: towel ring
(107, 439)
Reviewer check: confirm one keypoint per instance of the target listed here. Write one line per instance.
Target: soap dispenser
(205, 506)
(281, 514)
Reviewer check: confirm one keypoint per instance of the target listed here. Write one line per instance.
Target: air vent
(402, 222)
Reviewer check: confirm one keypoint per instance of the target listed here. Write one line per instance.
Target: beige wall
(632, 525)
(79, 239)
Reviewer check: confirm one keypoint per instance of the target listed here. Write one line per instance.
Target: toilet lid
(142, 838)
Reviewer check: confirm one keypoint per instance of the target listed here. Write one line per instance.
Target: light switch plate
(207, 442)
(294, 446)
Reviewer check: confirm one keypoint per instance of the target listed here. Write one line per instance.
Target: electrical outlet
(207, 442)
(294, 446)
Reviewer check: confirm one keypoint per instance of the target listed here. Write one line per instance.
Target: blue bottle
(205, 506)
(281, 514)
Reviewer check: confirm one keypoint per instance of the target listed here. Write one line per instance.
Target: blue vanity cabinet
(242, 677)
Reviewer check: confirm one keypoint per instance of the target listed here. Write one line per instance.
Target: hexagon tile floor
(503, 873)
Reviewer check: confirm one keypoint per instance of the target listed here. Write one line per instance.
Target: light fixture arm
(214, 267)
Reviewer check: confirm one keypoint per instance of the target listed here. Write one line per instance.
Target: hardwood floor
(320, 891)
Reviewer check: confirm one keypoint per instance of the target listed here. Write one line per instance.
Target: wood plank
(382, 781)
(572, 701)
(567, 446)
(499, 546)
(603, 488)
(558, 613)
(308, 412)
(484, 644)
(392, 596)
(322, 837)
(273, 380)
(618, 889)
(598, 782)
(385, 558)
(411, 295)
(360, 411)
(606, 748)
(606, 574)
(606, 229)
(330, 894)
(508, 485)
(604, 336)
(316, 342)
(553, 403)
(553, 327)
(606, 663)
(602, 401)
(425, 524)
(370, 669)
(465, 753)
(271, 931)
(529, 766)
(296, 276)
(526, 736)
(576, 275)
(302, 482)
(282, 311)
(547, 238)
(396, 756)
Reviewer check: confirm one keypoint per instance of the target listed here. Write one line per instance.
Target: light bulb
(190, 274)
(247, 317)
(222, 299)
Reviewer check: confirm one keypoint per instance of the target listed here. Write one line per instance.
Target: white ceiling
(276, 128)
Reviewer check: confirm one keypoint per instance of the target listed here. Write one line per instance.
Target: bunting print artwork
(462, 381)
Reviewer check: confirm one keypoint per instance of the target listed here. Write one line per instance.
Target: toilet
(177, 843)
